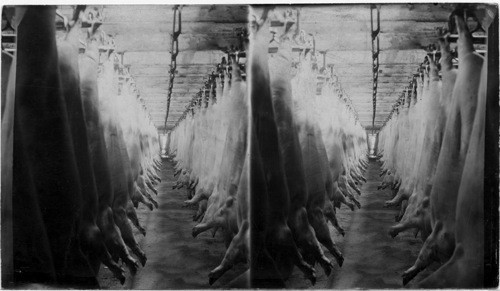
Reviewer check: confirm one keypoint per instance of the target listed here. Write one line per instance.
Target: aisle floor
(372, 258)
(176, 260)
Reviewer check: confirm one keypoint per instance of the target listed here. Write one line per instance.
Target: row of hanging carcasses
(311, 150)
(433, 153)
(77, 156)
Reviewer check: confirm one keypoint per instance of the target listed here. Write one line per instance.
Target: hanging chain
(375, 55)
(174, 51)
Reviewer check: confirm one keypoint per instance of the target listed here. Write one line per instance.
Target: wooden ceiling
(344, 31)
(144, 33)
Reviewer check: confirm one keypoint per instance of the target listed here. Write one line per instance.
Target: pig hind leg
(396, 200)
(237, 250)
(424, 259)
(352, 198)
(198, 196)
(114, 241)
(93, 244)
(318, 222)
(150, 186)
(353, 186)
(202, 207)
(132, 215)
(340, 198)
(306, 239)
(146, 194)
(402, 211)
(330, 215)
(120, 216)
(456, 273)
(281, 242)
(137, 198)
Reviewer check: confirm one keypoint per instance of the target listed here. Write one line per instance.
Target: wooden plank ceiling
(344, 31)
(143, 33)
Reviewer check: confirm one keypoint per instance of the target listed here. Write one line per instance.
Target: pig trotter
(409, 274)
(191, 201)
(356, 202)
(132, 265)
(155, 203)
(122, 279)
(312, 278)
(142, 258)
(340, 260)
(201, 227)
(326, 265)
(216, 273)
(117, 271)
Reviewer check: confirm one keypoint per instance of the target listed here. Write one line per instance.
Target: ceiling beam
(185, 59)
(190, 13)
(424, 12)
(321, 28)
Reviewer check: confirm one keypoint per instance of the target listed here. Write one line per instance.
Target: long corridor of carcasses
(365, 245)
(173, 255)
(250, 146)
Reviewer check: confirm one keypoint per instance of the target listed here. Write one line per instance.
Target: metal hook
(64, 18)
